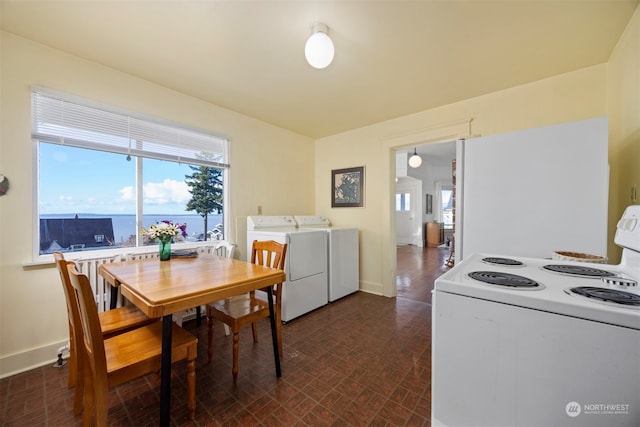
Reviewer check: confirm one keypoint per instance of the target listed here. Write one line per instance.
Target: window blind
(66, 120)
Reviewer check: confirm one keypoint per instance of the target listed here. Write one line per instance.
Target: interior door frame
(434, 133)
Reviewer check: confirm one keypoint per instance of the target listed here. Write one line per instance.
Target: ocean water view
(124, 226)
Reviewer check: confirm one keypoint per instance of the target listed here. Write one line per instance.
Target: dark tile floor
(361, 361)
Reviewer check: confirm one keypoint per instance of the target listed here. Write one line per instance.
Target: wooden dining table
(161, 288)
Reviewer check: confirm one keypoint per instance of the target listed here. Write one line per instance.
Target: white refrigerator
(530, 193)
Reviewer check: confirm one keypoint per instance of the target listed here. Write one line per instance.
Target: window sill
(47, 260)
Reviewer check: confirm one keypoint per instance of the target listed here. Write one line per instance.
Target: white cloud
(127, 193)
(165, 192)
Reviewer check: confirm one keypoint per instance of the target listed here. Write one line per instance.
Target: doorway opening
(422, 195)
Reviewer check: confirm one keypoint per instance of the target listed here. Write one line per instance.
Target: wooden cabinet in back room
(435, 234)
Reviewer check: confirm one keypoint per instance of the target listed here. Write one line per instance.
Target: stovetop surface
(551, 295)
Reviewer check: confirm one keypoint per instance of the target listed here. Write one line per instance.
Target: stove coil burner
(608, 295)
(505, 279)
(502, 261)
(578, 270)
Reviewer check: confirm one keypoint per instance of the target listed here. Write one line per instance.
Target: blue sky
(74, 180)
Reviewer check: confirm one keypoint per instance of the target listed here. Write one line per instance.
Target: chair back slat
(224, 249)
(91, 330)
(69, 295)
(270, 253)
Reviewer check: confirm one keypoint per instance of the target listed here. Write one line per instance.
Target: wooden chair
(241, 310)
(109, 362)
(112, 322)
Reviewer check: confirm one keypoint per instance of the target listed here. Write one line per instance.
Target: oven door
(495, 364)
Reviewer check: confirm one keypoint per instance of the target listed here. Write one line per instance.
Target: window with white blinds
(66, 120)
(104, 175)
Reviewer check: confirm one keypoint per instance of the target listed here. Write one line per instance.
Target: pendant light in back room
(415, 160)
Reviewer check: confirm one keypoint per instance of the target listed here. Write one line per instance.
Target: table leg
(165, 371)
(114, 297)
(274, 331)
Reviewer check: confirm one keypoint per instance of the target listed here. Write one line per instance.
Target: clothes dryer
(343, 254)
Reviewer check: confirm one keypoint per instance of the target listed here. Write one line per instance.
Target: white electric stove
(537, 342)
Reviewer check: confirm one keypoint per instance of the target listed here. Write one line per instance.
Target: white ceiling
(393, 58)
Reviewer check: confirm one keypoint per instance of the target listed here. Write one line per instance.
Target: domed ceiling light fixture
(319, 48)
(415, 160)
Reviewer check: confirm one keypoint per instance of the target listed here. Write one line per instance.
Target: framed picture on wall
(429, 204)
(347, 187)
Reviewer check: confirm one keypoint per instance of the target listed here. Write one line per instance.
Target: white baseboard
(30, 359)
(370, 287)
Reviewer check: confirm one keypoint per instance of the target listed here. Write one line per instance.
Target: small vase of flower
(164, 248)
(165, 232)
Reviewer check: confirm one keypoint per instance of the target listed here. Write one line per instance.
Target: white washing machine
(305, 263)
(344, 255)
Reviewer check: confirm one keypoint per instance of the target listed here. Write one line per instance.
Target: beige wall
(623, 105)
(568, 97)
(32, 312)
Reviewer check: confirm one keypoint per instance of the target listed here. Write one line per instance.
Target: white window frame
(64, 119)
